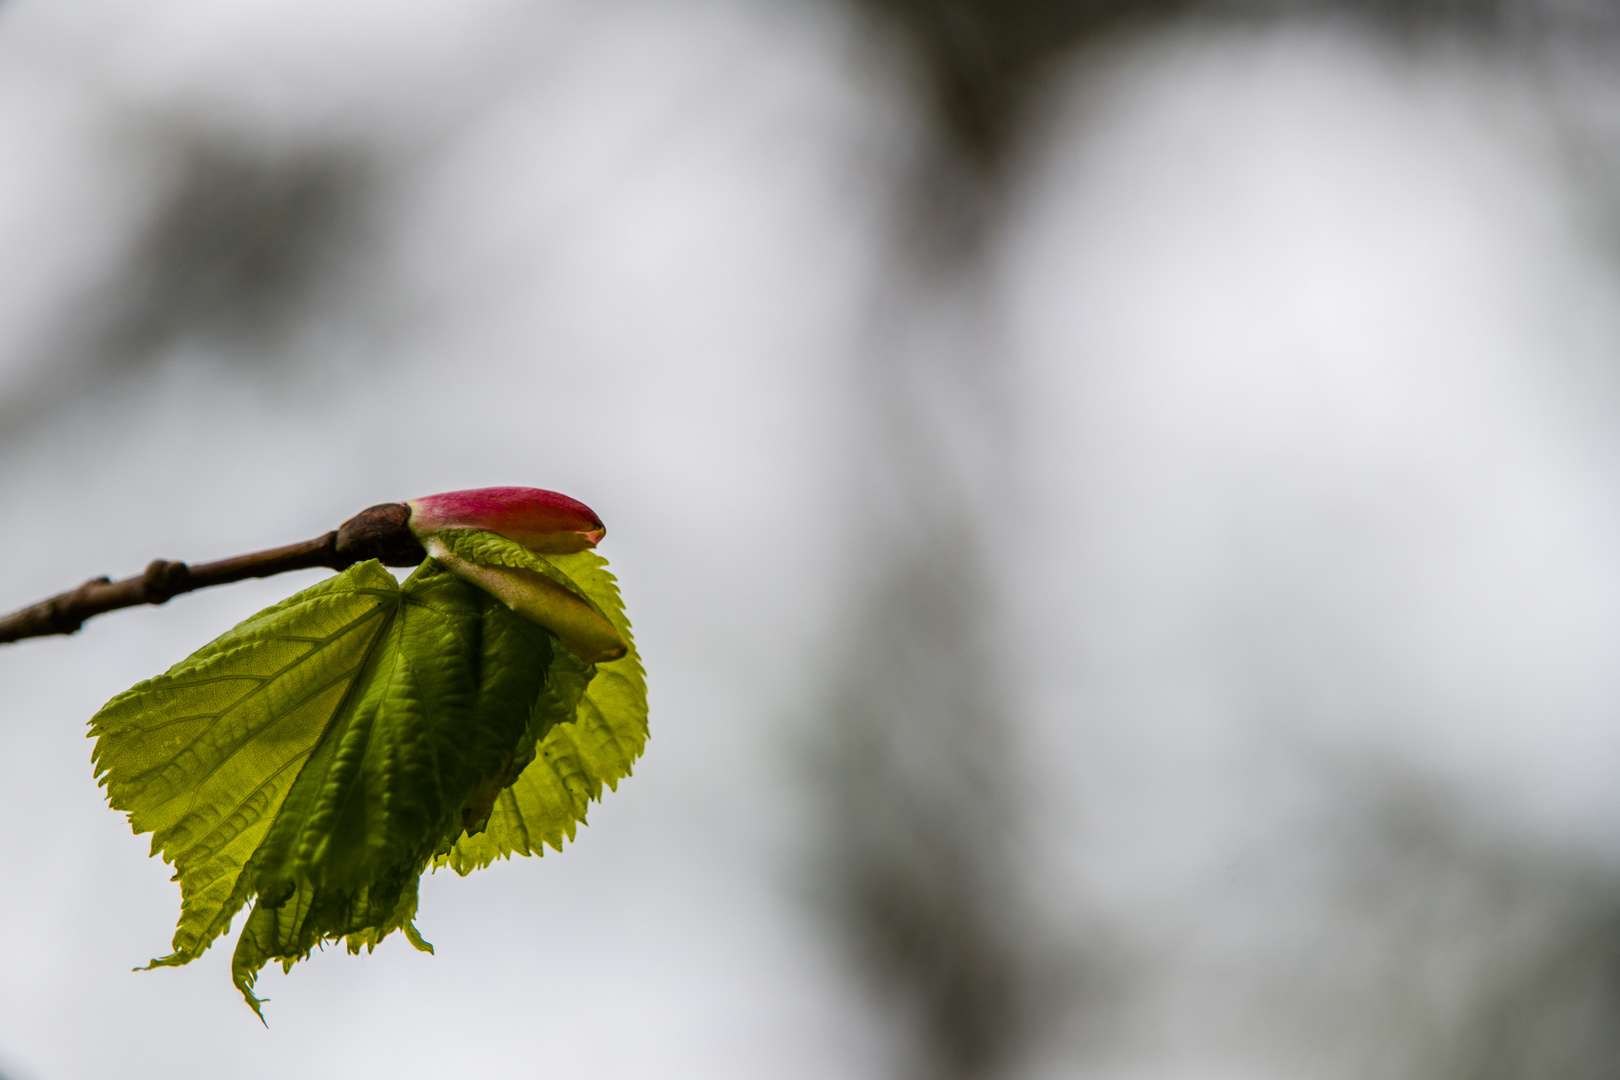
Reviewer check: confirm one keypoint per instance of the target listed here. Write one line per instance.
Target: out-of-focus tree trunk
(922, 855)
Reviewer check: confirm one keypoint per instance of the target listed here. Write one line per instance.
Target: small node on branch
(163, 580)
(380, 532)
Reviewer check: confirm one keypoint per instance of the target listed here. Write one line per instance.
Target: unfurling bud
(540, 520)
(539, 599)
(545, 523)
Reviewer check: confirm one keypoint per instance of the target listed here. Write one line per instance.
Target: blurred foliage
(979, 57)
(242, 246)
(923, 849)
(924, 874)
(1452, 948)
(245, 241)
(981, 60)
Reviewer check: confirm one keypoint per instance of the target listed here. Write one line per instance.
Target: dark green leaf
(575, 760)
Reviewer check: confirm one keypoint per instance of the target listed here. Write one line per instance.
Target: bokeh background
(1120, 500)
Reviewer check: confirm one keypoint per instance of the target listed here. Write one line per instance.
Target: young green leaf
(532, 586)
(574, 760)
(317, 758)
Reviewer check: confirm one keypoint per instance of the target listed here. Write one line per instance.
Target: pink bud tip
(540, 520)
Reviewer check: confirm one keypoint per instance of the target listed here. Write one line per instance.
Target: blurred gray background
(1120, 501)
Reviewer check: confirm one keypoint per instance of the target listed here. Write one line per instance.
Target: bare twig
(379, 532)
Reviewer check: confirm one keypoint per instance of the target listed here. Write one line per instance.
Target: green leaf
(204, 755)
(318, 757)
(575, 759)
(533, 587)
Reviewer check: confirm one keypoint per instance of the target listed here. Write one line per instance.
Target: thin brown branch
(379, 532)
